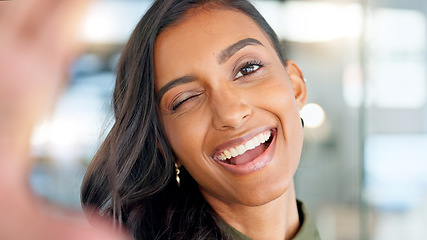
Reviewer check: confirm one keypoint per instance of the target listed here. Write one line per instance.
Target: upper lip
(239, 140)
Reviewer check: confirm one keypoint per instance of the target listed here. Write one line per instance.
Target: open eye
(248, 68)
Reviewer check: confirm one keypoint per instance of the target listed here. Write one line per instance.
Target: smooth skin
(220, 95)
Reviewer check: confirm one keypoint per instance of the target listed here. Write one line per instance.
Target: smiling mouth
(246, 151)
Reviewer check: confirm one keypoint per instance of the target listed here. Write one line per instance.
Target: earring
(178, 180)
(299, 111)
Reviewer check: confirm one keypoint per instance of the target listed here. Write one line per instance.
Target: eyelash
(250, 64)
(177, 105)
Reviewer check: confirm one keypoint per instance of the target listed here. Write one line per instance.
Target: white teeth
(265, 138)
(226, 154)
(233, 152)
(256, 141)
(241, 149)
(250, 144)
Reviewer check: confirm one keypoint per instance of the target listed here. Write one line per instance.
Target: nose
(229, 110)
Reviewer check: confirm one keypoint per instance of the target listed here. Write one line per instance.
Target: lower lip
(255, 165)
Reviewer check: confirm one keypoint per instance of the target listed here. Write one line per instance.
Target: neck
(275, 220)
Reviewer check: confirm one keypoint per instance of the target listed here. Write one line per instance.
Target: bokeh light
(313, 115)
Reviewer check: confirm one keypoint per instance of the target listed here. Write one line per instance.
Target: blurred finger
(42, 21)
(23, 18)
(60, 30)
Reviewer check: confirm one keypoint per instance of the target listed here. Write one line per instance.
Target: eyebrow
(223, 56)
(171, 84)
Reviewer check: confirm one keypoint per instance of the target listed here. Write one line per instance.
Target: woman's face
(229, 106)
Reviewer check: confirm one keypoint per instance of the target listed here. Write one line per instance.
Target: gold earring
(178, 180)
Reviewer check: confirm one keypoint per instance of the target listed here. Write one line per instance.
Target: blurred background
(363, 172)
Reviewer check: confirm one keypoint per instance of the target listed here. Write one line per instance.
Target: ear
(298, 82)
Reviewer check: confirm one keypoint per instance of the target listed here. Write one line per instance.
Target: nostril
(229, 113)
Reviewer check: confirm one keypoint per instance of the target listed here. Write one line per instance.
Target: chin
(263, 195)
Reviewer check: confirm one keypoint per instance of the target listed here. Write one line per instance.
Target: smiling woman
(207, 136)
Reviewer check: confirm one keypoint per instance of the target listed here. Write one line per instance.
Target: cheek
(281, 102)
(186, 135)
(278, 98)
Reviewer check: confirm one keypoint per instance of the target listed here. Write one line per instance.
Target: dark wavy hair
(132, 176)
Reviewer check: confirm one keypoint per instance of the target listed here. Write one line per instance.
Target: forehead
(200, 37)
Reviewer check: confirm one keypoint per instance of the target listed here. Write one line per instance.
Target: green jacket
(307, 230)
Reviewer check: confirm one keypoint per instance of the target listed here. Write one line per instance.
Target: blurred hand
(36, 44)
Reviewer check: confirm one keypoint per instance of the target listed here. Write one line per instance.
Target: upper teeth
(242, 148)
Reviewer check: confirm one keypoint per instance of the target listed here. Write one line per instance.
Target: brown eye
(248, 68)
